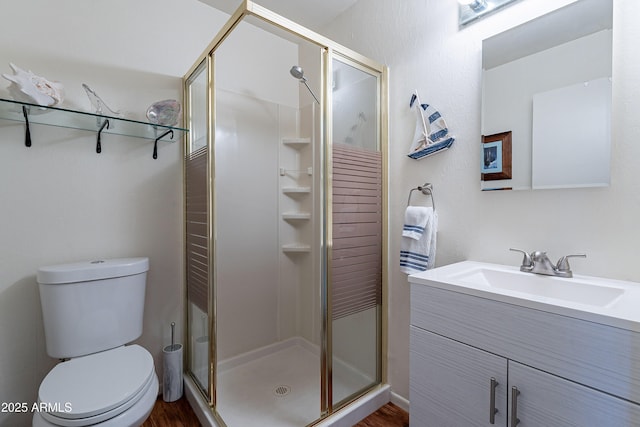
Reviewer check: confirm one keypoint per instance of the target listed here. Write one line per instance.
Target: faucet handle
(527, 263)
(563, 263)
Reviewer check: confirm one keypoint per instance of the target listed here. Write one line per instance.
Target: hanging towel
(415, 220)
(420, 254)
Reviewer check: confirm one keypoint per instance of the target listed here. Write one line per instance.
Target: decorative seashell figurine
(166, 112)
(27, 87)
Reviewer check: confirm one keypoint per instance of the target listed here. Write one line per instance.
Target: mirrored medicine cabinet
(547, 85)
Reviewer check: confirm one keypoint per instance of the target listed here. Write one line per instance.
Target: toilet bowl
(112, 388)
(91, 311)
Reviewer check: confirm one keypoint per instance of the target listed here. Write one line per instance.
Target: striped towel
(419, 254)
(415, 220)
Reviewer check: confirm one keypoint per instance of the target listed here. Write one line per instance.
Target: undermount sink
(607, 301)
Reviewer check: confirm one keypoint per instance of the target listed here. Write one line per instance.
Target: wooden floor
(172, 414)
(389, 415)
(180, 414)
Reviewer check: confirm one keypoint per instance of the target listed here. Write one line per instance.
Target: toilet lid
(86, 386)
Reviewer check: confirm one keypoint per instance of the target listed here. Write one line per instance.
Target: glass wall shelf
(62, 117)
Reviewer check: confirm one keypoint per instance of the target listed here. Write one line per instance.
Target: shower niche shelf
(296, 248)
(296, 190)
(295, 172)
(80, 120)
(296, 142)
(295, 216)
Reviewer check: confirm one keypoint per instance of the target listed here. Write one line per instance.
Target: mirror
(548, 83)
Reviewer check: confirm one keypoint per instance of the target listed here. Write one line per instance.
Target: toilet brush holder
(172, 370)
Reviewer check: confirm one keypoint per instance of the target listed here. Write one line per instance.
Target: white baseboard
(400, 401)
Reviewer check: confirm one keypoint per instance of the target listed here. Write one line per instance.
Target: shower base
(279, 385)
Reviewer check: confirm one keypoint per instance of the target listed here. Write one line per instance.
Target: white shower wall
(246, 213)
(263, 294)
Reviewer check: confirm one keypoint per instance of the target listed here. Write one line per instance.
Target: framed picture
(496, 156)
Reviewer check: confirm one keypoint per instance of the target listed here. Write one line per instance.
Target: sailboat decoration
(431, 135)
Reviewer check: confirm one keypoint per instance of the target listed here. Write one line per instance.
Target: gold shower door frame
(331, 51)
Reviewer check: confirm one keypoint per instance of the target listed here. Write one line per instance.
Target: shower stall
(285, 224)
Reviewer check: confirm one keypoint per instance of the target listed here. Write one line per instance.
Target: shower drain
(282, 390)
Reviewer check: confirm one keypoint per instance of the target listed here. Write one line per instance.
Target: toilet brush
(173, 331)
(172, 363)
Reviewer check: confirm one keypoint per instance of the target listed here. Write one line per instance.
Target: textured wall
(421, 43)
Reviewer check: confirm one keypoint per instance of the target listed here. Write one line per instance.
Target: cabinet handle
(514, 406)
(492, 401)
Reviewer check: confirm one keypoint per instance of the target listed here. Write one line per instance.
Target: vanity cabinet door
(547, 400)
(451, 384)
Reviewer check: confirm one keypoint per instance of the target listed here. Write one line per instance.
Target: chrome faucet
(537, 262)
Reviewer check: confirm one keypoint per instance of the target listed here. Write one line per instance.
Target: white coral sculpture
(27, 87)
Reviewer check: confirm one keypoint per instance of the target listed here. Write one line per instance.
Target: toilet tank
(92, 306)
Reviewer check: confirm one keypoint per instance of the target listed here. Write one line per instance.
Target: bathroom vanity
(491, 345)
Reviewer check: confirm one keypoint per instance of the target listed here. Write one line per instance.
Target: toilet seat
(94, 388)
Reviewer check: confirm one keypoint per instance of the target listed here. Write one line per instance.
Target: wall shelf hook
(155, 144)
(27, 132)
(98, 145)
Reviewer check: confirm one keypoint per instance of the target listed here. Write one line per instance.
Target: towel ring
(427, 190)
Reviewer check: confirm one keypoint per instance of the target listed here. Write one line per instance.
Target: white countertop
(606, 301)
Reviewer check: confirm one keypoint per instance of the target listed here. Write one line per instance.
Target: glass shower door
(266, 335)
(355, 259)
(285, 223)
(197, 229)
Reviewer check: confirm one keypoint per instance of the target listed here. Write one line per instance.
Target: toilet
(91, 311)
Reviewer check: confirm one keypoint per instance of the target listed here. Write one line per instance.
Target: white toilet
(90, 311)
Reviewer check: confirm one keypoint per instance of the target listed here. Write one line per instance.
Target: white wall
(62, 202)
(421, 43)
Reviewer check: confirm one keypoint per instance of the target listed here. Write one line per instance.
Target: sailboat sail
(431, 135)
